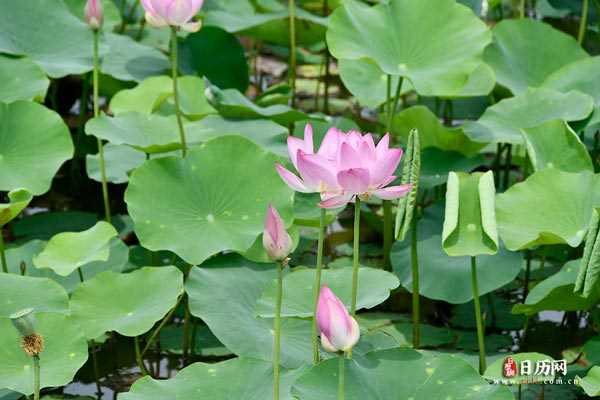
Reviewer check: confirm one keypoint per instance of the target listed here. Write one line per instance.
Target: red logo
(509, 368)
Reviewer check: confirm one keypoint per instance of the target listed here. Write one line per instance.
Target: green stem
(388, 99)
(36, 377)
(355, 254)
(96, 370)
(392, 103)
(186, 329)
(317, 285)
(583, 21)
(292, 70)
(138, 357)
(480, 334)
(277, 329)
(176, 92)
(507, 166)
(3, 254)
(341, 376)
(140, 32)
(415, 285)
(80, 272)
(522, 9)
(160, 326)
(387, 232)
(327, 60)
(520, 389)
(96, 114)
(527, 274)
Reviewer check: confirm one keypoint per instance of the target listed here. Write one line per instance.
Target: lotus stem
(522, 9)
(81, 279)
(355, 255)
(277, 329)
(186, 329)
(327, 59)
(96, 370)
(176, 91)
(292, 70)
(317, 285)
(416, 332)
(96, 72)
(341, 377)
(3, 253)
(527, 274)
(583, 21)
(36, 377)
(138, 357)
(478, 320)
(507, 165)
(160, 326)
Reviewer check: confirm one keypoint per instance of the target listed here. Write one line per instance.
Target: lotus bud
(24, 321)
(339, 331)
(94, 14)
(276, 241)
(175, 13)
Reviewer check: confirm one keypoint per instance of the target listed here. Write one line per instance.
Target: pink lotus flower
(177, 13)
(345, 166)
(339, 331)
(93, 13)
(276, 241)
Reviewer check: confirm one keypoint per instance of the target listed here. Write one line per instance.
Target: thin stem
(96, 370)
(140, 32)
(80, 272)
(388, 97)
(355, 254)
(194, 336)
(176, 92)
(507, 165)
(341, 376)
(497, 163)
(277, 329)
(3, 254)
(480, 341)
(415, 285)
(387, 233)
(583, 21)
(392, 102)
(522, 9)
(317, 285)
(105, 197)
(36, 377)
(327, 60)
(527, 274)
(186, 329)
(292, 67)
(138, 356)
(160, 326)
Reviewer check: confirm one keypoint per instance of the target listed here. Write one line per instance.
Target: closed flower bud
(93, 13)
(276, 241)
(339, 331)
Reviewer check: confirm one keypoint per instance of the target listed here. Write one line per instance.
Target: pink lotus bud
(93, 13)
(339, 331)
(276, 240)
(178, 13)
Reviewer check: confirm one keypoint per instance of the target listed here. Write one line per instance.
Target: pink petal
(316, 171)
(392, 192)
(367, 154)
(330, 144)
(354, 180)
(354, 138)
(349, 158)
(276, 240)
(161, 8)
(336, 201)
(383, 146)
(339, 331)
(308, 139)
(385, 166)
(291, 180)
(179, 12)
(197, 5)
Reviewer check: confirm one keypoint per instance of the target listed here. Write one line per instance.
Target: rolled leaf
(18, 200)
(410, 175)
(470, 220)
(589, 271)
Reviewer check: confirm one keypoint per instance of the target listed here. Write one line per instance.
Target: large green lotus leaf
(34, 142)
(210, 286)
(44, 225)
(155, 94)
(374, 288)
(120, 161)
(232, 104)
(555, 145)
(213, 200)
(436, 164)
(525, 52)
(65, 351)
(556, 293)
(41, 294)
(67, 251)
(23, 254)
(446, 278)
(495, 370)
(437, 51)
(17, 201)
(206, 344)
(581, 75)
(503, 121)
(21, 79)
(6, 394)
(375, 377)
(550, 207)
(431, 131)
(591, 382)
(253, 381)
(470, 221)
(129, 304)
(216, 54)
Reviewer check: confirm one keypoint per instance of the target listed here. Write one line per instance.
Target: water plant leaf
(590, 383)
(67, 251)
(34, 142)
(555, 145)
(436, 164)
(494, 371)
(17, 201)
(65, 352)
(436, 51)
(470, 221)
(580, 75)
(375, 287)
(375, 377)
(21, 79)
(411, 170)
(525, 52)
(590, 262)
(120, 161)
(523, 210)
(431, 131)
(121, 302)
(502, 122)
(247, 335)
(41, 294)
(213, 200)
